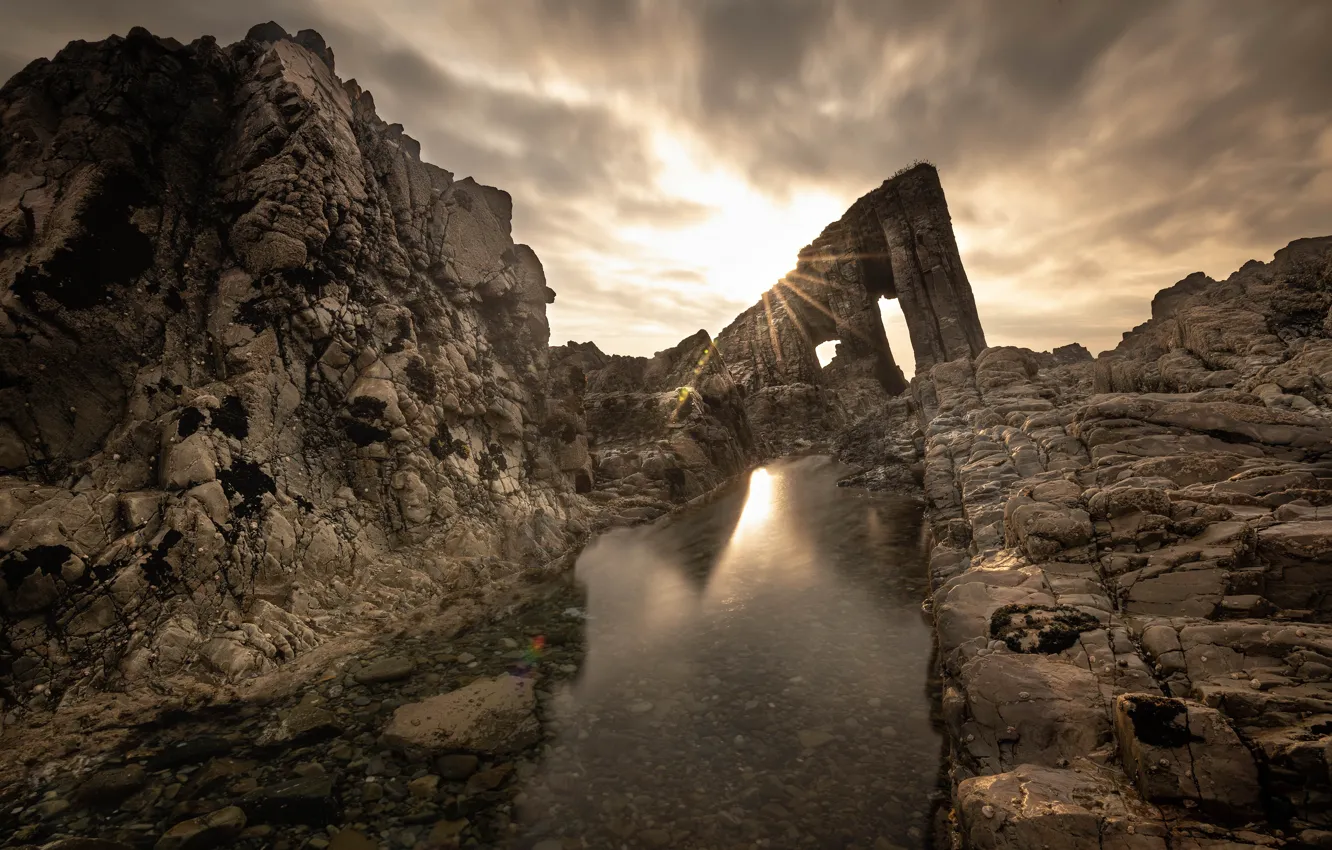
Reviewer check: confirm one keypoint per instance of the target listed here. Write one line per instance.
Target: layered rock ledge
(1132, 575)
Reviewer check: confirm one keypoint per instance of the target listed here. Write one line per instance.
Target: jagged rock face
(254, 353)
(895, 242)
(1132, 555)
(669, 427)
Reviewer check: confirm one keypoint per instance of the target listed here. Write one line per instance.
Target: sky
(667, 160)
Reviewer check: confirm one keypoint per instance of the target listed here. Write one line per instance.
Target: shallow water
(756, 676)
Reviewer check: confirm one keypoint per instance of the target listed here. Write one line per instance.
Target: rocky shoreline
(299, 450)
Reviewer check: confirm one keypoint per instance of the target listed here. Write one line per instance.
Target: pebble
(813, 738)
(352, 839)
(424, 787)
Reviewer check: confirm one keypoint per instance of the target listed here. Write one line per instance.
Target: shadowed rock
(254, 351)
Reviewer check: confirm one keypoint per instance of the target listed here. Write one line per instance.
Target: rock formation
(895, 242)
(1132, 563)
(1131, 556)
(261, 368)
(264, 373)
(662, 429)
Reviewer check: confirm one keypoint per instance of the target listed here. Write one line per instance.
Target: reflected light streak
(764, 550)
(758, 501)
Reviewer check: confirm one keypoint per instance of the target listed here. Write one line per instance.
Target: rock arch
(895, 242)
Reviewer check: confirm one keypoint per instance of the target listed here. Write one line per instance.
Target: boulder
(489, 716)
(1179, 750)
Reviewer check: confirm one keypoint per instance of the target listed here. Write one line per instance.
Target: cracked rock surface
(265, 376)
(1130, 573)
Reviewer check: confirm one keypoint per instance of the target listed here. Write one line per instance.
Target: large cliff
(263, 371)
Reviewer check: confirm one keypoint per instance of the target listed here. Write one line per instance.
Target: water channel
(756, 676)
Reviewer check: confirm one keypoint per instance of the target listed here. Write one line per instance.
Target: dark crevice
(189, 422)
(108, 250)
(231, 419)
(246, 480)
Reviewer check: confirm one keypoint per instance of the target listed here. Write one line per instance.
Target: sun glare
(745, 243)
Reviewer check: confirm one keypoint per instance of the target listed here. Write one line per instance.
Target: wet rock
(456, 767)
(813, 738)
(110, 787)
(216, 829)
(307, 722)
(424, 787)
(445, 833)
(488, 716)
(389, 669)
(307, 801)
(488, 780)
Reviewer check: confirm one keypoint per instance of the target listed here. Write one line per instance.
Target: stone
(424, 787)
(216, 829)
(110, 787)
(308, 800)
(488, 780)
(456, 767)
(390, 669)
(306, 722)
(1179, 750)
(445, 833)
(488, 716)
(813, 738)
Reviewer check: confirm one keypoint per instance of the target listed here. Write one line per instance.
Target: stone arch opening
(894, 243)
(825, 352)
(896, 330)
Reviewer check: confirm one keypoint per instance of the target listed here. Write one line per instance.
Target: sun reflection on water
(758, 502)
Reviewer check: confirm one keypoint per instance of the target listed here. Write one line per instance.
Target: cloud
(1092, 153)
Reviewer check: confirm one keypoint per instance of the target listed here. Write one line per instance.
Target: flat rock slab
(1178, 749)
(217, 829)
(488, 716)
(1034, 807)
(306, 723)
(110, 787)
(386, 670)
